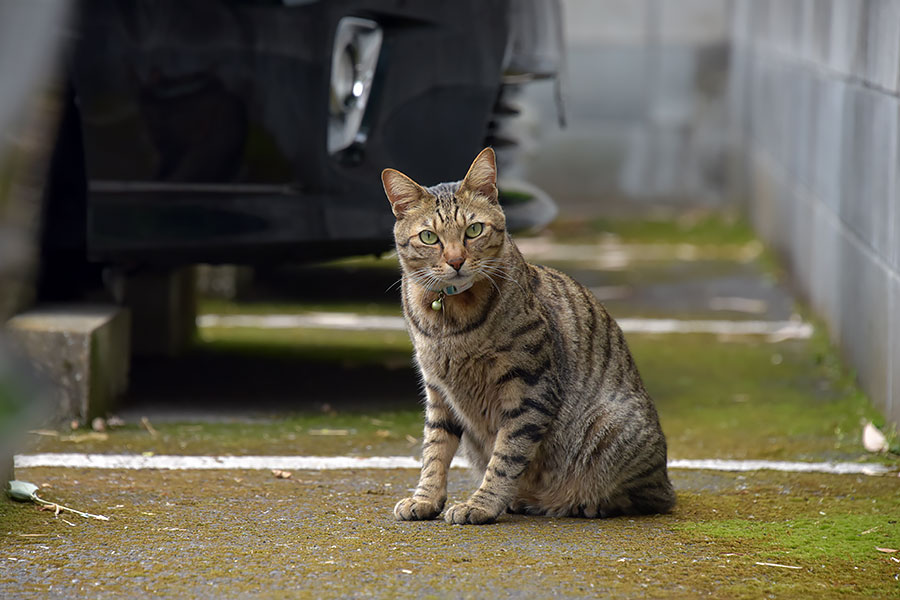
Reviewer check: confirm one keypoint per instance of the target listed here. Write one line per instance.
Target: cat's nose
(456, 262)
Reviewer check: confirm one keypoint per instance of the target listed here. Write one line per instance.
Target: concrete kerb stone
(83, 350)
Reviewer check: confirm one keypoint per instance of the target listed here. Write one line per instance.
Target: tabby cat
(521, 364)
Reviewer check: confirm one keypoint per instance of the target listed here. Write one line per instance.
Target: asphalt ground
(329, 533)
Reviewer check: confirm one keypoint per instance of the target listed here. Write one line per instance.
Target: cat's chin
(461, 282)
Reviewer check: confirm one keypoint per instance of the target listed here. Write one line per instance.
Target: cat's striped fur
(525, 368)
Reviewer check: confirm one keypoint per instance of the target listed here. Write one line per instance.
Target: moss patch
(331, 534)
(391, 348)
(845, 536)
(225, 307)
(696, 227)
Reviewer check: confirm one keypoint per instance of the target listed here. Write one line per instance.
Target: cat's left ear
(482, 175)
(402, 191)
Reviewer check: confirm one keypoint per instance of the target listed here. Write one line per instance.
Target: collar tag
(452, 290)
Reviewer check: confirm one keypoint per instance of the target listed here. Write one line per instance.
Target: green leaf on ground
(21, 491)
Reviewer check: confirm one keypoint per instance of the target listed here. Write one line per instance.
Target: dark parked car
(255, 130)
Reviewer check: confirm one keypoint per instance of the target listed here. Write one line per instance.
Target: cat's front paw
(466, 513)
(416, 509)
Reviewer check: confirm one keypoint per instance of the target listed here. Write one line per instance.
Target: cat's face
(451, 234)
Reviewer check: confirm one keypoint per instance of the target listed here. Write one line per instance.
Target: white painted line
(320, 320)
(185, 463)
(776, 329)
(331, 463)
(841, 468)
(614, 255)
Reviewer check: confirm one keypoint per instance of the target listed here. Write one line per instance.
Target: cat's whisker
(491, 279)
(503, 274)
(393, 285)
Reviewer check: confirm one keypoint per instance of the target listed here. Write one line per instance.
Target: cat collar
(449, 290)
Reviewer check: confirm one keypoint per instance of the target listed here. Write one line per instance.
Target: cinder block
(892, 406)
(764, 201)
(825, 294)
(829, 128)
(894, 197)
(613, 85)
(674, 90)
(694, 22)
(83, 350)
(848, 37)
(821, 31)
(737, 95)
(883, 44)
(801, 241)
(783, 225)
(865, 318)
(605, 21)
(740, 21)
(800, 163)
(784, 25)
(868, 166)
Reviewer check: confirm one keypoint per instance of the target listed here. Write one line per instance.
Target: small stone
(98, 424)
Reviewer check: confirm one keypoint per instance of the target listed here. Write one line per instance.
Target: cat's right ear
(402, 191)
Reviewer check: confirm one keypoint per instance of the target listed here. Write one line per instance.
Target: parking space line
(331, 463)
(776, 330)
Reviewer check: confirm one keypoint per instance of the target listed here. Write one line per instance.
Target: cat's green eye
(474, 230)
(428, 237)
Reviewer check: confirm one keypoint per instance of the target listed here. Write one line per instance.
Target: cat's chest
(468, 379)
(453, 365)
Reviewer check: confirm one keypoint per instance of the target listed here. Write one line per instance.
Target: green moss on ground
(389, 307)
(373, 433)
(751, 398)
(331, 534)
(697, 227)
(389, 348)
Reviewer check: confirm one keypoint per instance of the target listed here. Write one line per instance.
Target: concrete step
(83, 350)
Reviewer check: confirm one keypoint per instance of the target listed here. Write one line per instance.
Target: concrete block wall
(814, 123)
(646, 104)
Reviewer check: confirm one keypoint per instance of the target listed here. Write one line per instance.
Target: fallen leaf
(767, 564)
(887, 550)
(22, 491)
(873, 440)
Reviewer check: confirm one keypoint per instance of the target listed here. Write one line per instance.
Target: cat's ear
(402, 191)
(482, 175)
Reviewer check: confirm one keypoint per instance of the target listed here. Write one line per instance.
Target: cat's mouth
(458, 281)
(458, 278)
